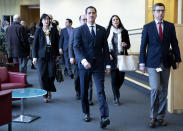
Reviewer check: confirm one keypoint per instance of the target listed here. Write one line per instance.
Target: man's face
(22, 23)
(159, 13)
(91, 15)
(83, 19)
(67, 24)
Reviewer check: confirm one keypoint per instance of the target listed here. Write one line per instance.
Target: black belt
(48, 48)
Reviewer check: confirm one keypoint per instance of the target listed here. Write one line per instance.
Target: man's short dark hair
(70, 21)
(90, 7)
(158, 4)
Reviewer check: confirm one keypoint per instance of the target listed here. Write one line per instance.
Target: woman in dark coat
(45, 52)
(118, 42)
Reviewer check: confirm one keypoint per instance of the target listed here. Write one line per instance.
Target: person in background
(157, 37)
(118, 42)
(32, 29)
(63, 46)
(17, 43)
(45, 54)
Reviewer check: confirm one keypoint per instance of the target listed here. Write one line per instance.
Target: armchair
(11, 80)
(6, 108)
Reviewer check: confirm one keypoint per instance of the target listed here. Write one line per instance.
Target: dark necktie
(160, 31)
(92, 32)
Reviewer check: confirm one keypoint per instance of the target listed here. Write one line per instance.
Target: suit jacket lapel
(156, 30)
(67, 34)
(87, 31)
(164, 29)
(97, 32)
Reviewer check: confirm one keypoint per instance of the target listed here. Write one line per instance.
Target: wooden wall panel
(175, 94)
(30, 15)
(178, 74)
(171, 11)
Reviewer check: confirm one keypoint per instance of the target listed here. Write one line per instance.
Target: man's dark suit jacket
(17, 40)
(94, 52)
(64, 39)
(157, 50)
(39, 45)
(71, 42)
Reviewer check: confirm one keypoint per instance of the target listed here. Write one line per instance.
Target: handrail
(135, 34)
(135, 29)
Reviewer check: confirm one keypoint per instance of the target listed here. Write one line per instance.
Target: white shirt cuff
(108, 66)
(141, 64)
(83, 61)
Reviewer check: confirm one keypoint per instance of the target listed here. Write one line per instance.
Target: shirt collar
(94, 25)
(157, 21)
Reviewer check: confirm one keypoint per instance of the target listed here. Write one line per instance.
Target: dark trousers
(85, 77)
(67, 63)
(22, 63)
(46, 72)
(117, 79)
(77, 83)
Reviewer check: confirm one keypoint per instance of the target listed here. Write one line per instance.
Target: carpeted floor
(63, 112)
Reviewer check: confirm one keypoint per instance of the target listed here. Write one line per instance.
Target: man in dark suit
(157, 37)
(92, 54)
(82, 20)
(64, 43)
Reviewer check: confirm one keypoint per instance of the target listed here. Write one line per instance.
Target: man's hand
(72, 60)
(86, 65)
(111, 58)
(57, 59)
(61, 51)
(177, 65)
(142, 68)
(34, 61)
(108, 70)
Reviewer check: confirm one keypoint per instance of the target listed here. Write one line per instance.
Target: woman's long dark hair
(43, 17)
(110, 23)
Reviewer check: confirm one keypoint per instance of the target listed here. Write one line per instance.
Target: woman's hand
(124, 44)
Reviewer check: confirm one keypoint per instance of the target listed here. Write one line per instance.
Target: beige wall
(12, 7)
(131, 12)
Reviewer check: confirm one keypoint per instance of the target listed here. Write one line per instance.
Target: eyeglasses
(160, 11)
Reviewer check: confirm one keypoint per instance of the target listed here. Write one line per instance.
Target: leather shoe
(29, 85)
(162, 122)
(77, 96)
(72, 76)
(90, 103)
(45, 100)
(49, 95)
(104, 122)
(86, 117)
(152, 123)
(116, 102)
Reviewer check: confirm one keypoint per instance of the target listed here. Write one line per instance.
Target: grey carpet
(63, 112)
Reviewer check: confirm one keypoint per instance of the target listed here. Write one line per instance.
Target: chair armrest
(17, 77)
(6, 107)
(0, 84)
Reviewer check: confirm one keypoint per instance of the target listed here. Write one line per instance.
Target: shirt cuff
(141, 64)
(83, 61)
(108, 66)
